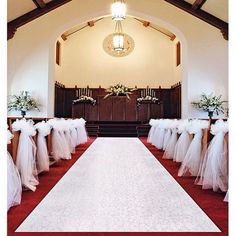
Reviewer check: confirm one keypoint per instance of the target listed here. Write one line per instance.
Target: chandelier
(118, 37)
(118, 9)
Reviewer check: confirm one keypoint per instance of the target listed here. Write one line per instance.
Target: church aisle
(117, 185)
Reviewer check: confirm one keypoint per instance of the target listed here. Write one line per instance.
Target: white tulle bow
(197, 125)
(43, 128)
(182, 126)
(151, 122)
(24, 126)
(219, 126)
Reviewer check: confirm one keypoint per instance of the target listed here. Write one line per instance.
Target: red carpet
(212, 203)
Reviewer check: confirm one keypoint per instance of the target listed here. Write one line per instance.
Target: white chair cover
(73, 135)
(168, 131)
(159, 134)
(192, 159)
(214, 171)
(151, 131)
(43, 129)
(82, 136)
(60, 147)
(151, 134)
(14, 188)
(183, 142)
(26, 154)
(170, 146)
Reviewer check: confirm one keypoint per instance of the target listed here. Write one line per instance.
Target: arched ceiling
(214, 12)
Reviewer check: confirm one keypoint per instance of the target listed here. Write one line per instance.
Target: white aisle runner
(117, 185)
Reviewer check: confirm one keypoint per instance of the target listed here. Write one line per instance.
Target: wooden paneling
(105, 108)
(59, 101)
(156, 111)
(130, 112)
(91, 112)
(119, 109)
(78, 110)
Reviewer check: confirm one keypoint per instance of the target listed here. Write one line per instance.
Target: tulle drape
(151, 134)
(213, 173)
(26, 154)
(170, 144)
(192, 159)
(183, 141)
(43, 129)
(60, 145)
(82, 136)
(14, 188)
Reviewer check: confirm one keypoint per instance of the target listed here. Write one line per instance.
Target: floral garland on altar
(85, 99)
(119, 90)
(148, 98)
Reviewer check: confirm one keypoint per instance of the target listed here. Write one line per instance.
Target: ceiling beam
(39, 3)
(32, 15)
(64, 37)
(205, 16)
(91, 23)
(146, 23)
(198, 4)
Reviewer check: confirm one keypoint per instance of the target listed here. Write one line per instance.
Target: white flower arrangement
(147, 98)
(23, 102)
(84, 98)
(119, 90)
(210, 103)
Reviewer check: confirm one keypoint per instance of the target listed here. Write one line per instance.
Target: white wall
(86, 63)
(31, 51)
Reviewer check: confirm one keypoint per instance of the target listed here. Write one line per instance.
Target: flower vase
(23, 113)
(210, 114)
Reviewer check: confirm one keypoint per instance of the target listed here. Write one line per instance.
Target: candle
(76, 92)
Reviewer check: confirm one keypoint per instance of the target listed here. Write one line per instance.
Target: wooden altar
(117, 108)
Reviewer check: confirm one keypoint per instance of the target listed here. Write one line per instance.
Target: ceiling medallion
(109, 47)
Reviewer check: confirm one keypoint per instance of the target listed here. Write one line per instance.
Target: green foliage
(210, 103)
(22, 102)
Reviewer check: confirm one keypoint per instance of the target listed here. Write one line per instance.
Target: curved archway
(131, 13)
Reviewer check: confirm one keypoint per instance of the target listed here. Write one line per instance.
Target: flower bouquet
(210, 103)
(23, 102)
(147, 98)
(119, 90)
(84, 98)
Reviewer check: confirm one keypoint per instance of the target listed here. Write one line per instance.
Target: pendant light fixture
(118, 37)
(118, 9)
